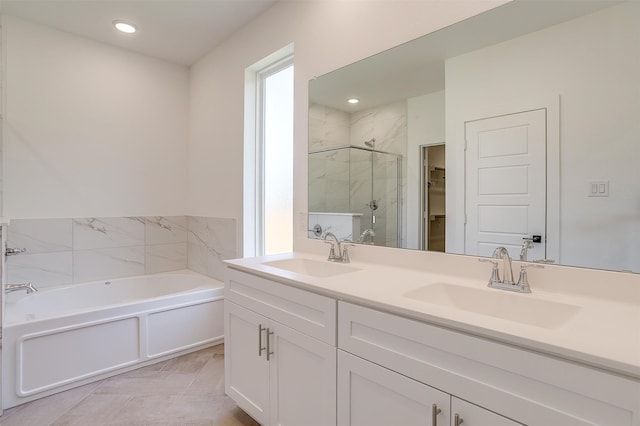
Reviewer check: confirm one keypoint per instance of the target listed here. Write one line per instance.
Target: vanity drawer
(309, 313)
(526, 386)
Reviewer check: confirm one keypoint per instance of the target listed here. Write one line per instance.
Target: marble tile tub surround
(210, 241)
(74, 250)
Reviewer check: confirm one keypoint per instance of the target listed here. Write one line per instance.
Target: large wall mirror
(519, 127)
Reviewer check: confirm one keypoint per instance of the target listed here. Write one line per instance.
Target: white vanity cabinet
(371, 395)
(280, 351)
(512, 385)
(472, 415)
(336, 362)
(246, 371)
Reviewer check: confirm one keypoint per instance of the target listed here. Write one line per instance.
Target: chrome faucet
(526, 245)
(507, 272)
(343, 253)
(501, 254)
(8, 288)
(367, 233)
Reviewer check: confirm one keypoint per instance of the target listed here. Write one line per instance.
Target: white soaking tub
(65, 337)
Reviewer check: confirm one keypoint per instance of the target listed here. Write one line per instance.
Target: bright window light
(278, 162)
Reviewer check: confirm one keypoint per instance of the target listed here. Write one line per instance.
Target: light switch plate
(598, 188)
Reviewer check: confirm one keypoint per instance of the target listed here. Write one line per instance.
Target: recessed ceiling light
(124, 27)
(353, 100)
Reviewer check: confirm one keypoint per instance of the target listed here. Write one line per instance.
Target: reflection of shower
(365, 182)
(371, 143)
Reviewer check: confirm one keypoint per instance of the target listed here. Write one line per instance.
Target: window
(268, 198)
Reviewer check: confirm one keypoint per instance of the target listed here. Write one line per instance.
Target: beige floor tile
(100, 408)
(44, 411)
(210, 379)
(191, 363)
(170, 409)
(25, 420)
(162, 383)
(231, 415)
(148, 371)
(185, 391)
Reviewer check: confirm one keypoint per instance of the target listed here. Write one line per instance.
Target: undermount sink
(312, 268)
(497, 303)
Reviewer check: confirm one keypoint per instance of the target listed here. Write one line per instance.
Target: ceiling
(178, 31)
(418, 67)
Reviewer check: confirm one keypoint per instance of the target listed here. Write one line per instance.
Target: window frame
(254, 154)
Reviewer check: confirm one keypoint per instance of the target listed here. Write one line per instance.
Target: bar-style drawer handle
(260, 348)
(434, 414)
(457, 420)
(269, 353)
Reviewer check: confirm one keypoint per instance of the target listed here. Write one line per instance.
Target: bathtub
(65, 337)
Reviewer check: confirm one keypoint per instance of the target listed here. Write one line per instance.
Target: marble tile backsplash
(210, 241)
(110, 232)
(66, 251)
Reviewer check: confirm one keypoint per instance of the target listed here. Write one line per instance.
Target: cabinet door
(472, 415)
(370, 395)
(303, 379)
(246, 370)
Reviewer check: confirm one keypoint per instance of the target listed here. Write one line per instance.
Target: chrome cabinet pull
(269, 353)
(457, 420)
(434, 414)
(260, 348)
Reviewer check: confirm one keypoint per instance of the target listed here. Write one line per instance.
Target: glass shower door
(374, 179)
(385, 189)
(360, 187)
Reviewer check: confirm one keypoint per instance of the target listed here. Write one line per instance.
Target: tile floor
(188, 390)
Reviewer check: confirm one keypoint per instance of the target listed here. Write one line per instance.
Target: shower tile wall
(332, 171)
(386, 123)
(328, 128)
(329, 181)
(66, 251)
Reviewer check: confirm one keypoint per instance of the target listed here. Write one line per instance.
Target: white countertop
(604, 333)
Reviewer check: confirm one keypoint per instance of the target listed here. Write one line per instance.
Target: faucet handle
(523, 280)
(332, 249)
(495, 275)
(345, 250)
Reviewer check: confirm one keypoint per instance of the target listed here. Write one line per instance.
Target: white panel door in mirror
(505, 183)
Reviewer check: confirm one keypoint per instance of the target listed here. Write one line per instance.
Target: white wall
(587, 63)
(89, 129)
(326, 35)
(425, 126)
